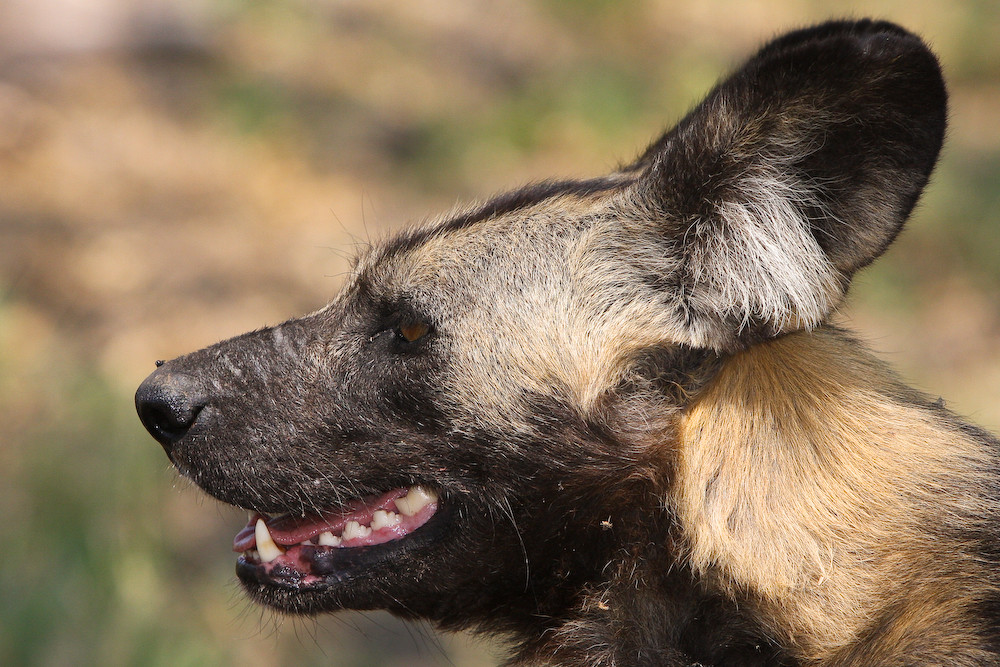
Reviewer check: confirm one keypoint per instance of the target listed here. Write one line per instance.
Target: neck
(805, 473)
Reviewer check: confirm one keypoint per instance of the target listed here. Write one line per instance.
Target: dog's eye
(413, 331)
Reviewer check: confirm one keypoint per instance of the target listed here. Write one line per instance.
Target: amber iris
(414, 331)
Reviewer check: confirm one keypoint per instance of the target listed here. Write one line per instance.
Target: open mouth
(315, 550)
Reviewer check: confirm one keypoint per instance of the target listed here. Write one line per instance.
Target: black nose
(168, 404)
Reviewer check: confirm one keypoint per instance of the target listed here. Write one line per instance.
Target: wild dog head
(482, 422)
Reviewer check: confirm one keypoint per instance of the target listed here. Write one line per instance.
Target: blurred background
(173, 172)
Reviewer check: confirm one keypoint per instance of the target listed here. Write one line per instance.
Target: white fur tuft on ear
(758, 262)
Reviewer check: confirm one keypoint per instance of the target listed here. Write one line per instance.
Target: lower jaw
(325, 567)
(310, 579)
(294, 599)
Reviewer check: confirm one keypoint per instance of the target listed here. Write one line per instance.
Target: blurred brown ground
(172, 173)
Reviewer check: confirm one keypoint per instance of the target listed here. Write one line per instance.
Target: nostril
(169, 405)
(168, 422)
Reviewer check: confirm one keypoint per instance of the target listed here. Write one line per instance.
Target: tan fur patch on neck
(806, 479)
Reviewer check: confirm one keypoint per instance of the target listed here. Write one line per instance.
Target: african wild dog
(607, 419)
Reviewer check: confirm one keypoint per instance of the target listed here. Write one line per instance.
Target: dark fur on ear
(792, 174)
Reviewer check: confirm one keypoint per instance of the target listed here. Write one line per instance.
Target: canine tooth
(266, 547)
(328, 539)
(353, 530)
(415, 500)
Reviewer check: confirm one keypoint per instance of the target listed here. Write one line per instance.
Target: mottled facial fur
(615, 398)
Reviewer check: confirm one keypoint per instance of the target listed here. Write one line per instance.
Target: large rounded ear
(791, 175)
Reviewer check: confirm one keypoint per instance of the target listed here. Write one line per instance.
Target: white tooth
(328, 539)
(415, 500)
(353, 530)
(265, 545)
(382, 519)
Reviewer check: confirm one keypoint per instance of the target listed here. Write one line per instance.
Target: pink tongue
(287, 530)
